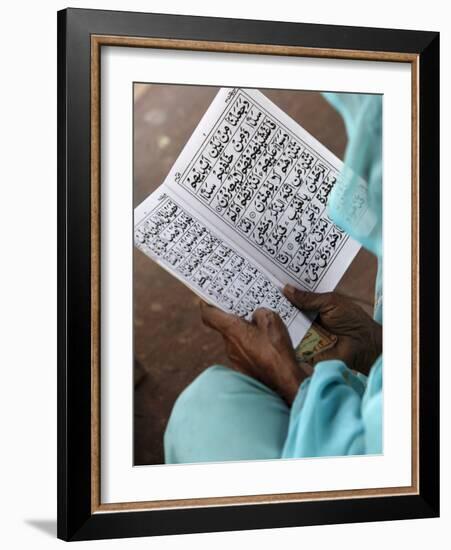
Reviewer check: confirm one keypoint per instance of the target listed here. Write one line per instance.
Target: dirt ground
(171, 345)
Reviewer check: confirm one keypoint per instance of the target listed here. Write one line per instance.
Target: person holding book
(268, 406)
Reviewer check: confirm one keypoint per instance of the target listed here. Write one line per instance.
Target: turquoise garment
(225, 415)
(336, 413)
(355, 203)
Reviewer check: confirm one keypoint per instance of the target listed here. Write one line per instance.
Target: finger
(217, 319)
(308, 301)
(263, 316)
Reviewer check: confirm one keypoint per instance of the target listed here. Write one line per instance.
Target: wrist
(291, 377)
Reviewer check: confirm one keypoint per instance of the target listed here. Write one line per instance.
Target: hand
(359, 337)
(261, 348)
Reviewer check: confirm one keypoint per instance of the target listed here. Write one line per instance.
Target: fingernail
(289, 289)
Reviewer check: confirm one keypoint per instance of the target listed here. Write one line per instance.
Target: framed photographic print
(248, 225)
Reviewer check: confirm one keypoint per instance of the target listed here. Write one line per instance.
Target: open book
(243, 211)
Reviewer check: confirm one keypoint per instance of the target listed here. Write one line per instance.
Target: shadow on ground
(46, 526)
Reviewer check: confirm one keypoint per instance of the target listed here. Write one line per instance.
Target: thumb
(308, 301)
(217, 319)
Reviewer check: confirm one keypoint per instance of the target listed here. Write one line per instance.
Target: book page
(265, 181)
(219, 272)
(254, 183)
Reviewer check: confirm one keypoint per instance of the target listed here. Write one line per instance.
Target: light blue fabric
(336, 413)
(225, 415)
(355, 202)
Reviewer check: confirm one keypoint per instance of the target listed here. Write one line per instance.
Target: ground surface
(171, 345)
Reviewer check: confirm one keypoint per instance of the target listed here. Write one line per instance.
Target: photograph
(226, 275)
(248, 265)
(257, 274)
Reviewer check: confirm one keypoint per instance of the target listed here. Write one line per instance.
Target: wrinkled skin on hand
(359, 336)
(261, 348)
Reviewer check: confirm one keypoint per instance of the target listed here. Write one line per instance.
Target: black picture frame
(76, 518)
